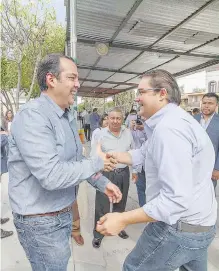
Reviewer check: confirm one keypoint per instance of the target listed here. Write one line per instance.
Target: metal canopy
(179, 36)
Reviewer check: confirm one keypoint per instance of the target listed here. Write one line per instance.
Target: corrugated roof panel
(86, 54)
(183, 63)
(173, 45)
(207, 21)
(147, 61)
(166, 12)
(100, 19)
(212, 48)
(107, 85)
(117, 58)
(90, 84)
(99, 75)
(83, 73)
(135, 80)
(121, 77)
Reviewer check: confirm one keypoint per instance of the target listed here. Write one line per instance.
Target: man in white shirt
(181, 208)
(115, 137)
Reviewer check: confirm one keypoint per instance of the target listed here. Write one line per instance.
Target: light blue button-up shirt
(179, 160)
(45, 159)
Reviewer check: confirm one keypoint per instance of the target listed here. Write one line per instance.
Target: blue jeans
(141, 187)
(45, 240)
(163, 248)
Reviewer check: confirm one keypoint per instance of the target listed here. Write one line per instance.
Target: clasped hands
(109, 159)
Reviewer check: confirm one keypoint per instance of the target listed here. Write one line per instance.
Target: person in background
(94, 120)
(87, 125)
(139, 137)
(6, 123)
(132, 116)
(114, 137)
(189, 112)
(4, 169)
(209, 120)
(97, 132)
(46, 164)
(181, 208)
(195, 111)
(83, 114)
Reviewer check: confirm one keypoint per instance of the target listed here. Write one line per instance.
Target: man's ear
(50, 80)
(163, 94)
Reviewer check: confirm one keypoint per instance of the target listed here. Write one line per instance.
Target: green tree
(29, 31)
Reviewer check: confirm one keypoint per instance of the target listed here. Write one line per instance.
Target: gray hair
(49, 64)
(163, 79)
(115, 109)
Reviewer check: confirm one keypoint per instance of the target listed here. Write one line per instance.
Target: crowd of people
(173, 157)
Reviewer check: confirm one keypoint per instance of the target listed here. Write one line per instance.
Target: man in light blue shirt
(181, 207)
(139, 137)
(46, 164)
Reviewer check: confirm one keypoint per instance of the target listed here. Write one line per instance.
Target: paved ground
(112, 252)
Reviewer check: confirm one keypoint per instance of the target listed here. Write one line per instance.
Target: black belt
(182, 226)
(119, 170)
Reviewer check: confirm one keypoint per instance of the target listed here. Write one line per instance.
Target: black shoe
(96, 242)
(123, 235)
(5, 233)
(4, 220)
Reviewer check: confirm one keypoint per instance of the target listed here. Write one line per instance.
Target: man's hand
(113, 193)
(134, 177)
(132, 125)
(111, 224)
(108, 159)
(215, 175)
(139, 127)
(3, 133)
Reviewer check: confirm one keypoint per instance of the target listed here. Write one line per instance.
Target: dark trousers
(102, 204)
(87, 131)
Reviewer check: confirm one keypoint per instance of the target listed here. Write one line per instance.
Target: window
(212, 86)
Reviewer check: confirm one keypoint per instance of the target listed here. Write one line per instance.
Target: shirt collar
(156, 118)
(202, 117)
(56, 108)
(121, 130)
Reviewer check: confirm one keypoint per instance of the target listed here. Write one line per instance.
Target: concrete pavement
(112, 252)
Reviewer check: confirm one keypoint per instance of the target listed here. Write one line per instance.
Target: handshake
(110, 159)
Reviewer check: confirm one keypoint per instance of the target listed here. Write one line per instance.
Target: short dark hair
(163, 79)
(195, 110)
(211, 95)
(95, 110)
(49, 64)
(102, 119)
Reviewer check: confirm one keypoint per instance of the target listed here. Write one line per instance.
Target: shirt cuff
(136, 157)
(159, 214)
(97, 163)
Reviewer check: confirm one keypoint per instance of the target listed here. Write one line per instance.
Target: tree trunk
(34, 77)
(8, 101)
(17, 93)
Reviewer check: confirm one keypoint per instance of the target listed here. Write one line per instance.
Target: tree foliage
(29, 32)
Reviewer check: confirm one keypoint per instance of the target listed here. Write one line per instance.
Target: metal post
(73, 34)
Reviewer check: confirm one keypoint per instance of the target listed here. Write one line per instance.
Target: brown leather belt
(65, 210)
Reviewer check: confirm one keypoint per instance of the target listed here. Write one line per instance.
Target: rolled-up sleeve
(36, 142)
(172, 155)
(138, 157)
(99, 182)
